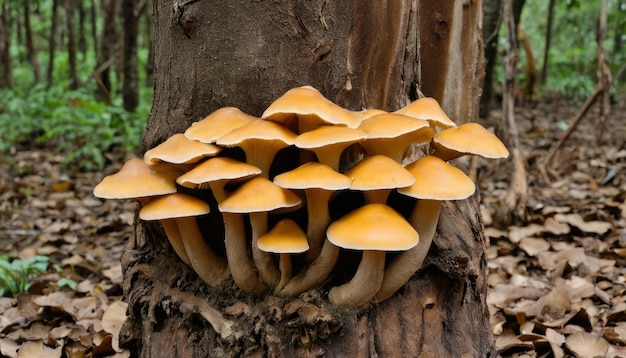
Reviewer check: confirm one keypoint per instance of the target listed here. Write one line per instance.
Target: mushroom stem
(318, 220)
(365, 283)
(261, 155)
(315, 273)
(173, 235)
(207, 264)
(263, 260)
(240, 264)
(424, 219)
(285, 271)
(241, 267)
(376, 196)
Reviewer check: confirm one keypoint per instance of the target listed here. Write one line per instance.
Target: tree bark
(71, 42)
(107, 51)
(546, 49)
(492, 19)
(130, 89)
(6, 65)
(247, 54)
(52, 44)
(30, 45)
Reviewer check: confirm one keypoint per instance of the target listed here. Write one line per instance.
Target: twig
(579, 116)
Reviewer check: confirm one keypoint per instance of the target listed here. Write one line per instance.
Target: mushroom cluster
(285, 226)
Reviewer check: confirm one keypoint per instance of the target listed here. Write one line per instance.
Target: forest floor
(557, 278)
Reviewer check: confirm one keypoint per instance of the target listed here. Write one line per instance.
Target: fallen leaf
(587, 345)
(36, 349)
(113, 319)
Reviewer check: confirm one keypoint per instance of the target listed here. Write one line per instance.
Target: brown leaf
(113, 319)
(8, 347)
(586, 345)
(36, 349)
(533, 246)
(592, 227)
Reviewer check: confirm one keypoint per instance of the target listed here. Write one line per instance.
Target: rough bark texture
(130, 90)
(246, 54)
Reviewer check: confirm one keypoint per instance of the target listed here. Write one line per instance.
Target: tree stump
(360, 55)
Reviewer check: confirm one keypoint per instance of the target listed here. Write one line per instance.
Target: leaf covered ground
(556, 281)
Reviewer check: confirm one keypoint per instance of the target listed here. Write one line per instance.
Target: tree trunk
(82, 40)
(94, 30)
(30, 45)
(246, 54)
(71, 42)
(491, 25)
(6, 65)
(52, 44)
(130, 89)
(546, 49)
(107, 51)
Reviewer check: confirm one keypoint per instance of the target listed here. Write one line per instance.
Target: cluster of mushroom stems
(338, 151)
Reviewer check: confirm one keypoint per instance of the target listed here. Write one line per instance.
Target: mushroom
(373, 228)
(217, 124)
(319, 182)
(216, 173)
(182, 209)
(257, 197)
(468, 138)
(376, 176)
(136, 180)
(304, 108)
(142, 181)
(177, 149)
(328, 142)
(428, 109)
(436, 180)
(260, 140)
(391, 134)
(285, 238)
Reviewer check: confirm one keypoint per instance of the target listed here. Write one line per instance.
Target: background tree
(361, 55)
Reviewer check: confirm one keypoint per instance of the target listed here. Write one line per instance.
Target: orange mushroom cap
(178, 149)
(436, 179)
(308, 108)
(428, 109)
(136, 179)
(373, 227)
(285, 237)
(468, 138)
(217, 124)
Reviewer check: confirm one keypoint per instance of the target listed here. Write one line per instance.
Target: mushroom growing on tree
(391, 134)
(217, 124)
(285, 238)
(468, 138)
(178, 149)
(428, 109)
(215, 173)
(376, 176)
(328, 142)
(304, 108)
(142, 181)
(436, 180)
(260, 141)
(257, 197)
(374, 228)
(319, 182)
(182, 209)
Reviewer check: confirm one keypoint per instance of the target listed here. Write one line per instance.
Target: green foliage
(72, 121)
(572, 58)
(66, 282)
(15, 274)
